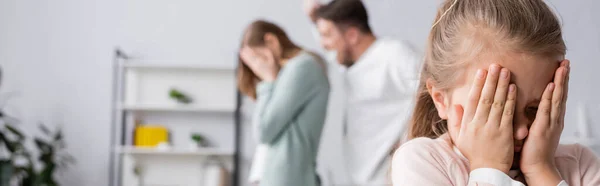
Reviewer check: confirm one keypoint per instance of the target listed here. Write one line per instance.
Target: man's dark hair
(346, 13)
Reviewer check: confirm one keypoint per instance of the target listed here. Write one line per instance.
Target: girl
(291, 90)
(499, 126)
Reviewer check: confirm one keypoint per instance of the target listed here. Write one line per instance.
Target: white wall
(57, 54)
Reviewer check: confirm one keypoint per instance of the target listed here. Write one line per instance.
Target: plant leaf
(15, 131)
(46, 158)
(44, 129)
(42, 145)
(58, 136)
(13, 147)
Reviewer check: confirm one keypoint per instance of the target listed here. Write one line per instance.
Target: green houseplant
(21, 165)
(199, 140)
(27, 168)
(179, 96)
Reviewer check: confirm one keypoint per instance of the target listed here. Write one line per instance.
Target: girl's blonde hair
(465, 29)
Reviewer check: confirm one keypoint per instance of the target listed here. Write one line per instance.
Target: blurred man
(372, 90)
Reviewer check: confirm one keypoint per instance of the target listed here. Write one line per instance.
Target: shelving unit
(141, 92)
(146, 64)
(175, 152)
(175, 108)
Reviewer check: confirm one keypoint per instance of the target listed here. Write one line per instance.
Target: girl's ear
(439, 99)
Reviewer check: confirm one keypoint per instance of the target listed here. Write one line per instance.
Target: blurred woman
(291, 89)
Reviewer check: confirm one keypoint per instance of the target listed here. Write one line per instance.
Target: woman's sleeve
(295, 86)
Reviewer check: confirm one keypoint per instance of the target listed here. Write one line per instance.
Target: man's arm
(310, 8)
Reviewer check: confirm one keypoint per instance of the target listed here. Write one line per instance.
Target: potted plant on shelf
(199, 140)
(179, 96)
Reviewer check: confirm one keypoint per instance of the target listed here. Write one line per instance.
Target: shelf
(174, 152)
(176, 108)
(176, 66)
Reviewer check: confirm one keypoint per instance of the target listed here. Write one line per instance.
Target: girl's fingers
(497, 110)
(487, 95)
(566, 92)
(456, 117)
(474, 95)
(542, 118)
(509, 107)
(557, 95)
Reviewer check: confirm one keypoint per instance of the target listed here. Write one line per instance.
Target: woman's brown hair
(465, 28)
(254, 36)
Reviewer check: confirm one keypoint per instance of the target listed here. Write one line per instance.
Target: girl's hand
(261, 61)
(537, 157)
(485, 130)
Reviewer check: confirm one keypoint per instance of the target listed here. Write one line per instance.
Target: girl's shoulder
(423, 144)
(577, 164)
(574, 153)
(433, 159)
(438, 150)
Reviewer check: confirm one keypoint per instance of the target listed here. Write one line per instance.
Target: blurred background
(60, 67)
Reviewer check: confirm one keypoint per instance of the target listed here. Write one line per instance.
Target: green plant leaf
(15, 131)
(46, 158)
(179, 96)
(174, 93)
(58, 136)
(13, 147)
(44, 129)
(197, 138)
(43, 146)
(4, 140)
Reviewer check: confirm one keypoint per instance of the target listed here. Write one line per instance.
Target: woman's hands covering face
(261, 61)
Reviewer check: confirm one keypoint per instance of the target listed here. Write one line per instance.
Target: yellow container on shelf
(150, 135)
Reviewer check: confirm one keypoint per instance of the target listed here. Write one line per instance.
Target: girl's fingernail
(479, 74)
(494, 69)
(504, 73)
(551, 87)
(511, 88)
(565, 70)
